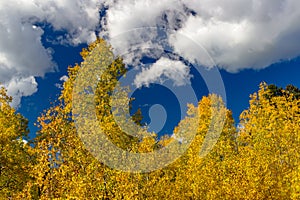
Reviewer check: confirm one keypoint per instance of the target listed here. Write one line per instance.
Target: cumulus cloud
(133, 27)
(236, 34)
(21, 87)
(251, 34)
(22, 54)
(172, 70)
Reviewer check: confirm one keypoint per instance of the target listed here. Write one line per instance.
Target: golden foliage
(259, 160)
(16, 157)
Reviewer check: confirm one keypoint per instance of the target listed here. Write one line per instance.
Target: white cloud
(236, 34)
(78, 17)
(131, 26)
(22, 54)
(20, 87)
(164, 67)
(127, 14)
(251, 35)
(64, 78)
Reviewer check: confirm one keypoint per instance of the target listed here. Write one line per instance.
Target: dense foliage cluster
(258, 160)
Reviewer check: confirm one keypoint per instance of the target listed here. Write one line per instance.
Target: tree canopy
(260, 159)
(16, 156)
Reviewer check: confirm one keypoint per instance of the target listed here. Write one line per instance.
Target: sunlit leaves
(16, 156)
(270, 138)
(258, 160)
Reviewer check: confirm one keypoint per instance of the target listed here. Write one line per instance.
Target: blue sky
(238, 88)
(250, 42)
